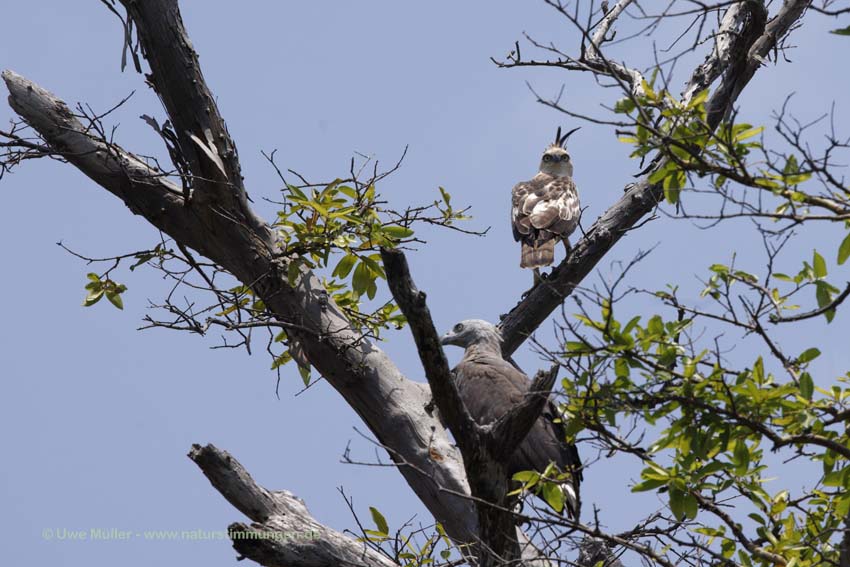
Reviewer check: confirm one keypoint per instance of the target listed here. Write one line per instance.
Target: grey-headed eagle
(546, 208)
(490, 386)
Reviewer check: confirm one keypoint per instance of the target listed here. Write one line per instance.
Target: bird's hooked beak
(448, 339)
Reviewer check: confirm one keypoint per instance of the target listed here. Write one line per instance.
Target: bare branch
(411, 301)
(809, 314)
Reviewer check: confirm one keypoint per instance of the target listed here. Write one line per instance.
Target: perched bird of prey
(546, 208)
(490, 387)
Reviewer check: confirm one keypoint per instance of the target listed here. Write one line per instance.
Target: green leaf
(690, 505)
(379, 520)
(621, 368)
(553, 494)
(808, 355)
(318, 207)
(673, 184)
(398, 232)
(748, 133)
(835, 478)
(659, 174)
(304, 371)
(844, 250)
(375, 536)
(343, 268)
(842, 31)
(624, 106)
(742, 457)
(807, 385)
(819, 265)
(796, 179)
(361, 279)
(823, 294)
(649, 484)
(348, 191)
(758, 370)
(281, 360)
(526, 477)
(677, 503)
(791, 165)
(576, 347)
(374, 267)
(647, 90)
(115, 299)
(93, 298)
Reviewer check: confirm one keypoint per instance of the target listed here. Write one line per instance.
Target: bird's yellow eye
(458, 328)
(547, 157)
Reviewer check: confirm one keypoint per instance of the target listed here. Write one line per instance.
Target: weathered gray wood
(283, 532)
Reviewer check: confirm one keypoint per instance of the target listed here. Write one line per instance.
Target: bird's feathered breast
(543, 208)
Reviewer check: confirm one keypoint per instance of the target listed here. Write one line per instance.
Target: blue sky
(96, 417)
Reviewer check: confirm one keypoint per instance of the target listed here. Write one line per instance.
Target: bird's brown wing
(521, 194)
(556, 212)
(490, 387)
(544, 208)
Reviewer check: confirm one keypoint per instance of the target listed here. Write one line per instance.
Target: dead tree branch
(283, 532)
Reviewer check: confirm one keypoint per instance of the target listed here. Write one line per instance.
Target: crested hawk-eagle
(546, 208)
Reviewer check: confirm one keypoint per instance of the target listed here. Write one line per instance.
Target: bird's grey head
(473, 332)
(556, 159)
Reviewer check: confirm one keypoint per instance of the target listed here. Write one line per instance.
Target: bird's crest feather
(561, 141)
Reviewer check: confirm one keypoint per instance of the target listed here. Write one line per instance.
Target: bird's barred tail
(569, 496)
(572, 504)
(537, 255)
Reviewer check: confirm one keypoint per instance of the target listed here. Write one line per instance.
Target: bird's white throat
(557, 169)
